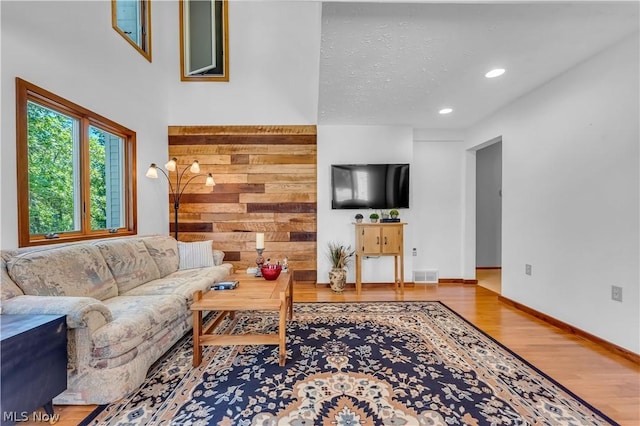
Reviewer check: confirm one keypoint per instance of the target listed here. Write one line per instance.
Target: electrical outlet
(527, 269)
(616, 293)
(415, 251)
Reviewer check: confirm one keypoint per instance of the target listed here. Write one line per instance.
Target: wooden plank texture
(265, 182)
(239, 339)
(282, 207)
(243, 130)
(192, 227)
(283, 197)
(188, 151)
(241, 140)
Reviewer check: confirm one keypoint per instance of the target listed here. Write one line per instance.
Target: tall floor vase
(337, 279)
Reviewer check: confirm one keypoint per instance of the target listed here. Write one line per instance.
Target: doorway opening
(489, 216)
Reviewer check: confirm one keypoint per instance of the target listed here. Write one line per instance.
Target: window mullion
(85, 179)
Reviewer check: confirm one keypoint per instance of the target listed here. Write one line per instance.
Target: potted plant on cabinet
(394, 214)
(359, 218)
(374, 217)
(340, 257)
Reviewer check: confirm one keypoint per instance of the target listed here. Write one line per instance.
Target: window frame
(25, 92)
(145, 24)
(221, 30)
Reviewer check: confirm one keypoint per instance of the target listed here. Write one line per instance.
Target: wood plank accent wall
(265, 182)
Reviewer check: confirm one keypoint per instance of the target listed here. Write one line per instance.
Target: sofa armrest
(229, 267)
(80, 311)
(218, 257)
(84, 316)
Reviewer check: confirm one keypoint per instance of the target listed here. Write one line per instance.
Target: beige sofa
(126, 302)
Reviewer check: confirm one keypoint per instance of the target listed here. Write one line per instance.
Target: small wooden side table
(34, 363)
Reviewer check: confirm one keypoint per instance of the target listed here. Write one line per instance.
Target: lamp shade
(171, 165)
(195, 167)
(210, 181)
(152, 171)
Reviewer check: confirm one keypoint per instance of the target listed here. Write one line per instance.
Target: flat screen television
(369, 186)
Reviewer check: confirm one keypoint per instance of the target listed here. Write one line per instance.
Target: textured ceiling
(399, 64)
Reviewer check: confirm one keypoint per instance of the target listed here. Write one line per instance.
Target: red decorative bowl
(271, 272)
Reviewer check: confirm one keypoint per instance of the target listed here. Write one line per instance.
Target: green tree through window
(52, 141)
(98, 179)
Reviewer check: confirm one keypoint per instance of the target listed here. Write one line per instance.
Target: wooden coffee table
(252, 294)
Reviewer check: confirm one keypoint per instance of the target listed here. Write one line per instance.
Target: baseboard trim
(611, 347)
(450, 280)
(352, 284)
(488, 267)
(456, 281)
(411, 283)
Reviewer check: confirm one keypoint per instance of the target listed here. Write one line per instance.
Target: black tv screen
(369, 186)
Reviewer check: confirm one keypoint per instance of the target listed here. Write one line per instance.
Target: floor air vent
(427, 276)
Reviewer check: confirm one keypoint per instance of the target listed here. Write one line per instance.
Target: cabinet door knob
(385, 241)
(378, 240)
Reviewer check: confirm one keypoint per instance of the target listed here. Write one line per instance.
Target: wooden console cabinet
(381, 239)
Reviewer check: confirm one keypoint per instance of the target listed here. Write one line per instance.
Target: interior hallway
(490, 279)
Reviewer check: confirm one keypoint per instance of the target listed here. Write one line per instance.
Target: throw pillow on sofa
(195, 255)
(129, 262)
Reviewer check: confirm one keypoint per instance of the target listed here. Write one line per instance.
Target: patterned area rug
(395, 363)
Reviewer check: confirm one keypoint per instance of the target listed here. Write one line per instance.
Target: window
(204, 42)
(132, 20)
(75, 171)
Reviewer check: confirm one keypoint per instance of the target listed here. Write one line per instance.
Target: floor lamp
(180, 186)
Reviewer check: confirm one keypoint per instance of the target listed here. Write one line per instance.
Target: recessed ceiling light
(497, 72)
(446, 111)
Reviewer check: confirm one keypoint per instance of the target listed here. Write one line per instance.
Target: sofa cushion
(74, 270)
(164, 251)
(135, 319)
(8, 289)
(184, 282)
(197, 254)
(129, 262)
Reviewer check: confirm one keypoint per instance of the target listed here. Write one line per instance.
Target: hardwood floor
(490, 279)
(605, 380)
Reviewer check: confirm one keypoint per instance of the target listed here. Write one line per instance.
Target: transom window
(75, 171)
(132, 20)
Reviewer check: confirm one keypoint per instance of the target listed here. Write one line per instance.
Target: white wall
(274, 65)
(70, 49)
(571, 195)
(355, 145)
(437, 193)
